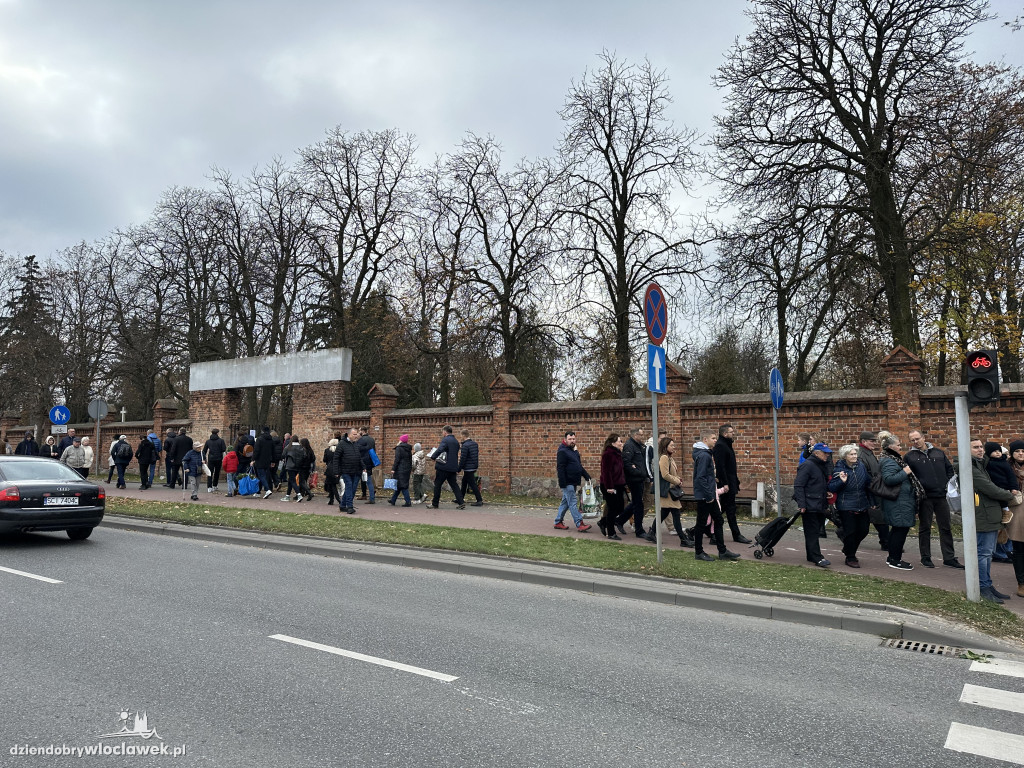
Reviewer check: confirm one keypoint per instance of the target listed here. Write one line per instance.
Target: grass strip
(677, 564)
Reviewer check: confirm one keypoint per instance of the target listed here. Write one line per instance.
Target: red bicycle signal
(982, 377)
(981, 361)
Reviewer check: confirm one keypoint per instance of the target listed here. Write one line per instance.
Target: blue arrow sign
(656, 369)
(59, 414)
(776, 388)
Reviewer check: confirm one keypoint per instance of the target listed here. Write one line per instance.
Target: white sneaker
(286, 498)
(267, 494)
(209, 489)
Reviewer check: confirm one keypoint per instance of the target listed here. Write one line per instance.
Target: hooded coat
(704, 478)
(403, 465)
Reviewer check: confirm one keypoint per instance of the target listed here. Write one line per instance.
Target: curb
(885, 621)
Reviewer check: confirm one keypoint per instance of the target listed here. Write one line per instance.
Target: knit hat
(417, 447)
(403, 439)
(1017, 445)
(28, 433)
(990, 447)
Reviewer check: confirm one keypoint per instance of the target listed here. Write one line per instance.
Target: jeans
(293, 481)
(405, 494)
(152, 474)
(232, 485)
(569, 503)
(264, 475)
(986, 544)
(349, 494)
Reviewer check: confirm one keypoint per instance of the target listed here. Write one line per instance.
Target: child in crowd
(193, 464)
(230, 467)
(1001, 472)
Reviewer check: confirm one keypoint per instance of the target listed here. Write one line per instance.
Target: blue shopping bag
(248, 484)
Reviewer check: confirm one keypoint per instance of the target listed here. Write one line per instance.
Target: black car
(44, 495)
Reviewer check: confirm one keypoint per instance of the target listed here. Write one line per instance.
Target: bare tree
(623, 160)
(841, 89)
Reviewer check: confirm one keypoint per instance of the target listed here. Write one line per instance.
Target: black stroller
(771, 534)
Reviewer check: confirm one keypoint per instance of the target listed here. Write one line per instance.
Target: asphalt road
(182, 630)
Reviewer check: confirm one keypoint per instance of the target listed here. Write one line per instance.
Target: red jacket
(613, 473)
(230, 462)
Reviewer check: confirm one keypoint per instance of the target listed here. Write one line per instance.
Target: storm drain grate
(932, 648)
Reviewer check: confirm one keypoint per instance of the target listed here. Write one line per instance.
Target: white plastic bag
(590, 504)
(953, 494)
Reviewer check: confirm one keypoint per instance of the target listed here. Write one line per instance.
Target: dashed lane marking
(363, 657)
(31, 575)
(999, 667)
(1008, 747)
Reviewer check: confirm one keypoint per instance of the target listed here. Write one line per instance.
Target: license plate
(60, 501)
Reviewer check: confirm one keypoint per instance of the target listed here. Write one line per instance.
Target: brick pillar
(677, 388)
(163, 411)
(313, 404)
(214, 409)
(7, 423)
(383, 400)
(506, 393)
(903, 375)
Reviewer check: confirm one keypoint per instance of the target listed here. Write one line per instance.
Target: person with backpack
(121, 453)
(213, 454)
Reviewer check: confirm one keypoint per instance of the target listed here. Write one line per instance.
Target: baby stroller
(771, 534)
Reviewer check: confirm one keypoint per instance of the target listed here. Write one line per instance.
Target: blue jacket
(192, 463)
(449, 446)
(704, 484)
(569, 466)
(901, 511)
(469, 457)
(851, 496)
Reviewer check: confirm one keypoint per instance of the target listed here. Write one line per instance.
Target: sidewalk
(540, 521)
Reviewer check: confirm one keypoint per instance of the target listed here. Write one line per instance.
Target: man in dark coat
(169, 457)
(727, 474)
(469, 463)
(934, 470)
(810, 493)
(447, 470)
(367, 444)
(347, 464)
(275, 465)
(28, 446)
(66, 441)
(570, 472)
(145, 454)
(706, 491)
(634, 463)
(213, 454)
(262, 458)
(868, 446)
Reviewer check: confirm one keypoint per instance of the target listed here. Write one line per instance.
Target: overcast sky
(104, 104)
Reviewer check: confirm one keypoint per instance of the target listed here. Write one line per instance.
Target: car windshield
(43, 469)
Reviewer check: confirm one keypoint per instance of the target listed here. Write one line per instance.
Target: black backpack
(124, 451)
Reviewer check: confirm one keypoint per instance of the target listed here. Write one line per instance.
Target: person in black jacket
(706, 491)
(469, 463)
(213, 454)
(262, 458)
(182, 445)
(728, 475)
(810, 494)
(448, 469)
(145, 454)
(634, 462)
(367, 444)
(169, 457)
(867, 447)
(569, 468)
(347, 465)
(48, 450)
(330, 471)
(28, 446)
(934, 470)
(402, 471)
(275, 466)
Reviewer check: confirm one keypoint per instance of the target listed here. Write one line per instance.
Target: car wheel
(79, 534)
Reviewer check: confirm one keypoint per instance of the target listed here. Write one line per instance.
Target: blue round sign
(655, 314)
(59, 414)
(776, 388)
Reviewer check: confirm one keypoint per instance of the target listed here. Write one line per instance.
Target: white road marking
(31, 576)
(993, 698)
(1008, 747)
(364, 657)
(999, 667)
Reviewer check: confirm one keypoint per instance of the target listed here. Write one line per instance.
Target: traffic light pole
(964, 464)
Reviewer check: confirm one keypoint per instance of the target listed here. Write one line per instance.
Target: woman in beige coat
(670, 478)
(1015, 528)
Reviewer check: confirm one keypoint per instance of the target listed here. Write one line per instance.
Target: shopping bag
(590, 502)
(373, 457)
(206, 470)
(953, 494)
(314, 480)
(390, 484)
(248, 484)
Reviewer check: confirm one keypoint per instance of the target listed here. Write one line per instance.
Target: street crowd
(871, 482)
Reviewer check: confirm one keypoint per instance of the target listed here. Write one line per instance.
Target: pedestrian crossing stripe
(1008, 747)
(999, 667)
(993, 698)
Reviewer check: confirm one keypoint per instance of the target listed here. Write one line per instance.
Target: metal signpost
(656, 324)
(776, 387)
(98, 410)
(970, 529)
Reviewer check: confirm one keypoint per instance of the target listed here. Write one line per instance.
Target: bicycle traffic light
(982, 377)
